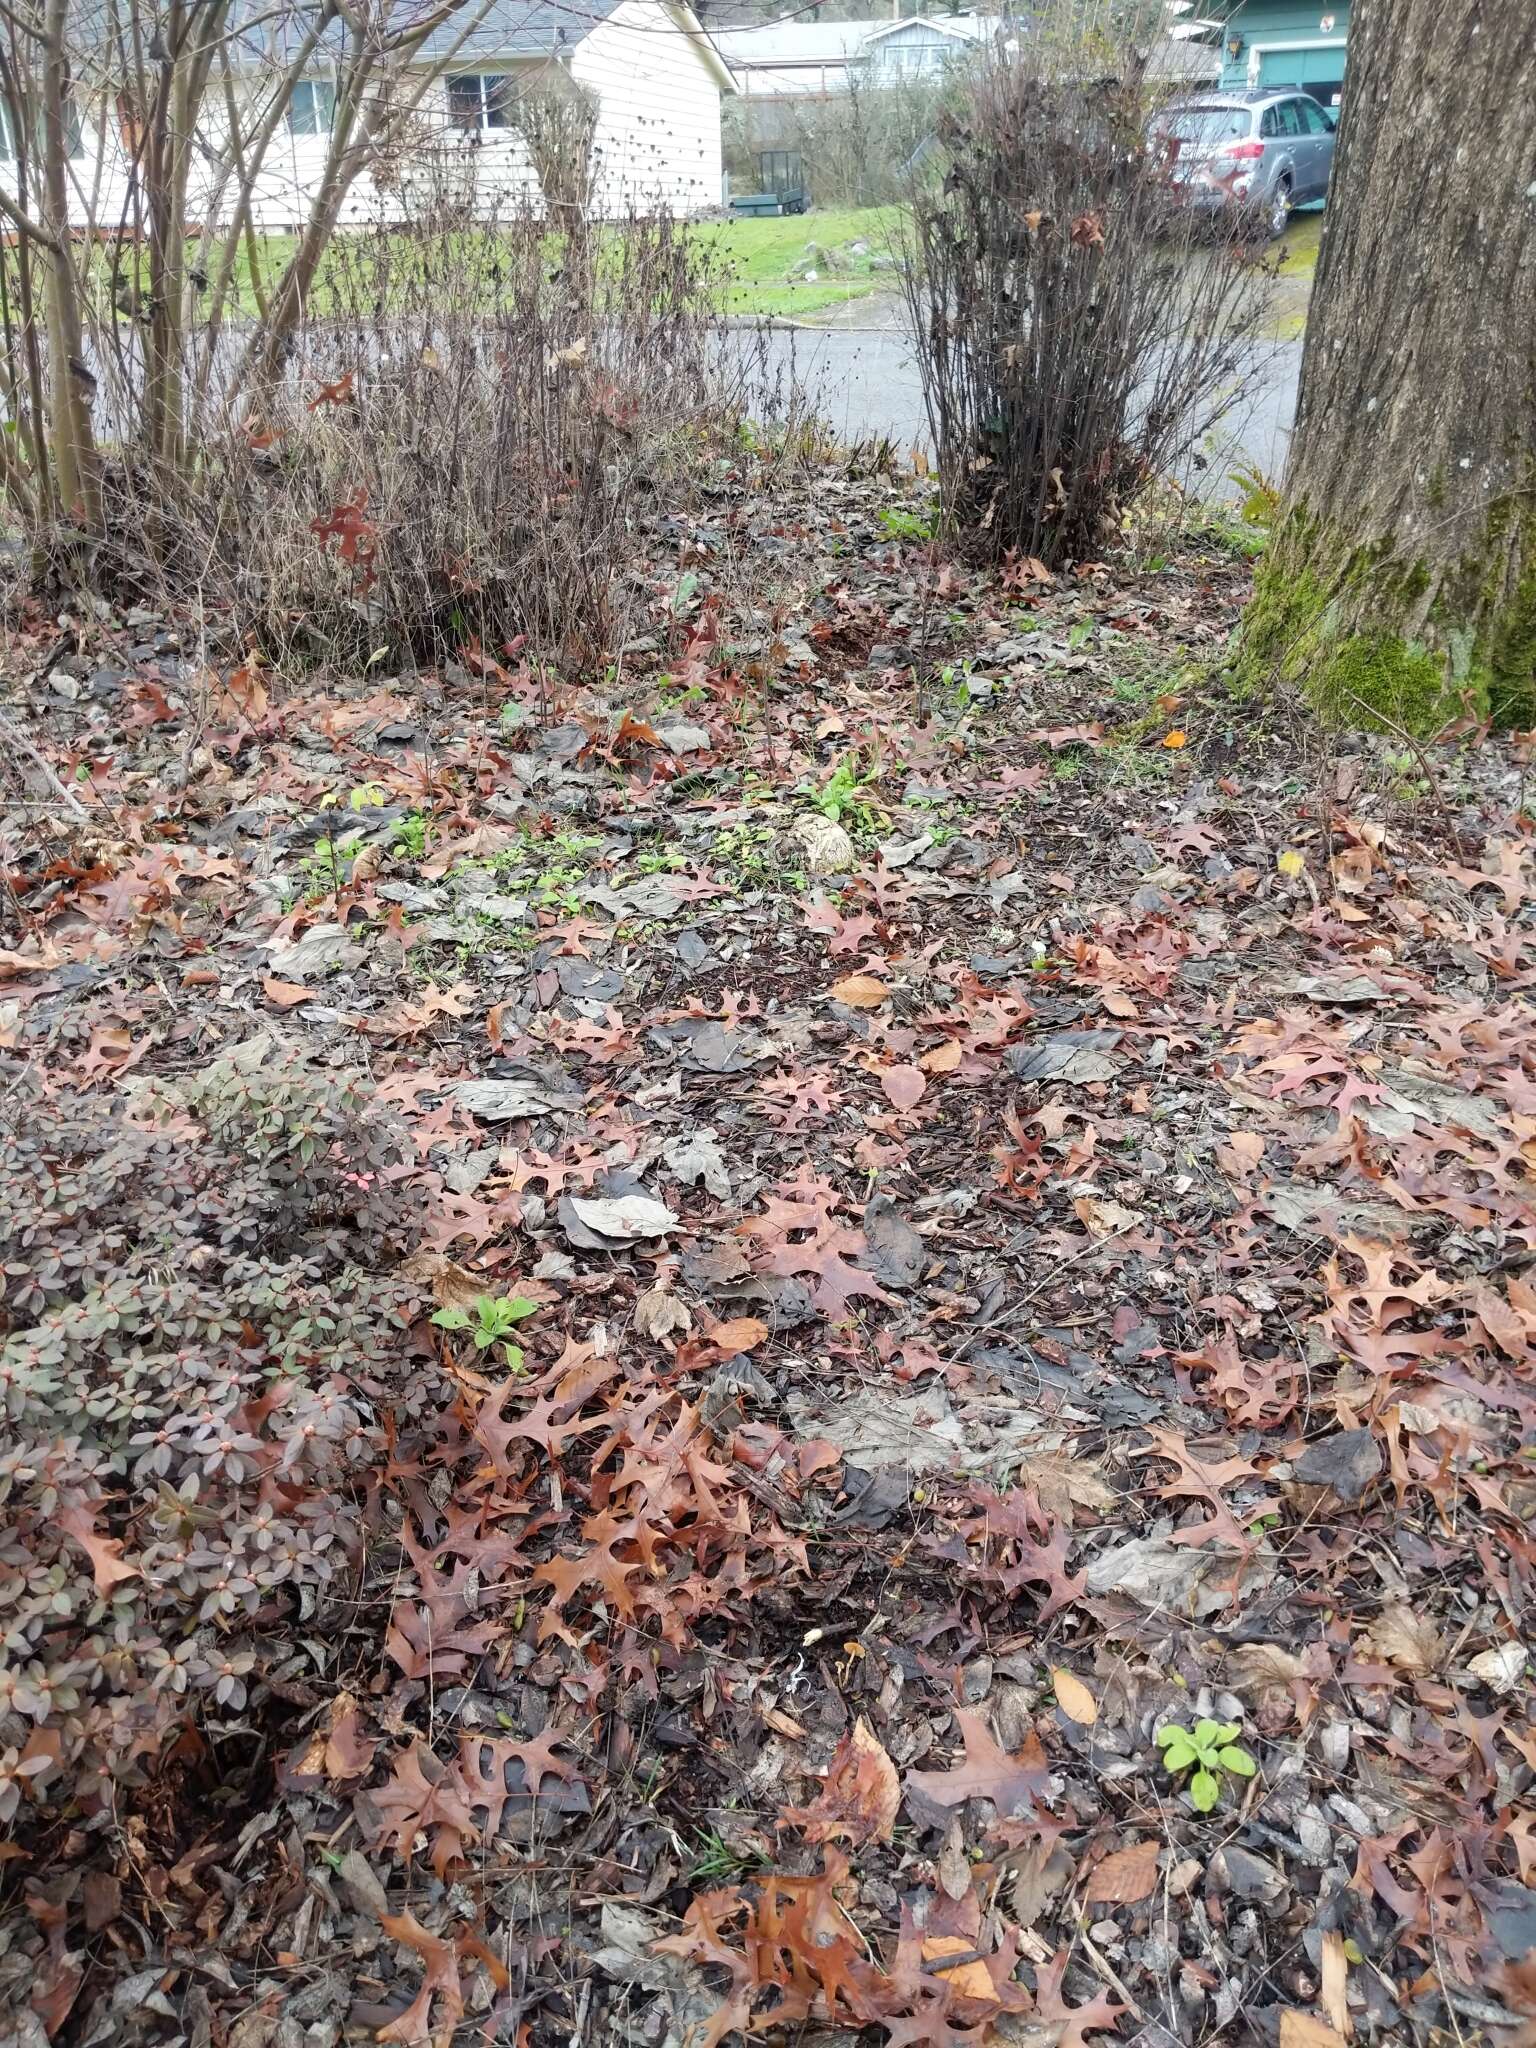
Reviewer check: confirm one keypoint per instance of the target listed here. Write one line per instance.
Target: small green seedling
(1209, 1748)
(494, 1319)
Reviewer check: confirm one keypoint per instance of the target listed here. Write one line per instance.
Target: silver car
(1266, 150)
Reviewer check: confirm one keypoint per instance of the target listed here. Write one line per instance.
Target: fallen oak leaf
(441, 1979)
(422, 1794)
(860, 1798)
(1076, 2022)
(105, 1552)
(1012, 1783)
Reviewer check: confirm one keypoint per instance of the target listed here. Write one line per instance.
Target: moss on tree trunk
(1377, 636)
(1400, 582)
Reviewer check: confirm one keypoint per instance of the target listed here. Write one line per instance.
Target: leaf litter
(1037, 1258)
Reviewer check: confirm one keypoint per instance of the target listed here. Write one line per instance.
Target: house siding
(658, 133)
(1284, 43)
(658, 143)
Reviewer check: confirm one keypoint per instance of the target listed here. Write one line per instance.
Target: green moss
(1331, 635)
(1378, 681)
(1512, 644)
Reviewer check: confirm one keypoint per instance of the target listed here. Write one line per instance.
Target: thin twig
(1426, 764)
(13, 736)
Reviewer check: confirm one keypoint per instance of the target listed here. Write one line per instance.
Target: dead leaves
(861, 1797)
(105, 1552)
(423, 1797)
(1074, 1698)
(860, 992)
(440, 1982)
(904, 1087)
(285, 995)
(1013, 1784)
(1124, 1877)
(1407, 1640)
(800, 1236)
(1199, 1480)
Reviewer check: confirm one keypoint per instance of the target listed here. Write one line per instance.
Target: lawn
(756, 255)
(765, 261)
(762, 253)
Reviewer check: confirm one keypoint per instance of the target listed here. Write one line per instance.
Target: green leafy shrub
(195, 1311)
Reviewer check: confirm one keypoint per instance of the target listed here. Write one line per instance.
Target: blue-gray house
(1285, 42)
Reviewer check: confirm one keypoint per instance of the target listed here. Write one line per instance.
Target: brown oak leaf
(861, 1796)
(1012, 1783)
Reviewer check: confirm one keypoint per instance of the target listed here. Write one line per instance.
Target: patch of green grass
(717, 1862)
(760, 254)
(410, 838)
(902, 524)
(749, 857)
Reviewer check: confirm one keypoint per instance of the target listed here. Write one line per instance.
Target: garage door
(1310, 69)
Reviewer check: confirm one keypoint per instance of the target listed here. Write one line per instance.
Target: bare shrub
(459, 449)
(1080, 325)
(557, 119)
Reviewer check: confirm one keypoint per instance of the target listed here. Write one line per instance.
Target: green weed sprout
(494, 1319)
(1209, 1749)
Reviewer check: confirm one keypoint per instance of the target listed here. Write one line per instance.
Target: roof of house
(519, 28)
(544, 28)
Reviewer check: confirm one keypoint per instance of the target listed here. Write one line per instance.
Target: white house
(799, 58)
(656, 76)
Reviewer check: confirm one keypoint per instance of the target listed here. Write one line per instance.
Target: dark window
(1283, 120)
(74, 134)
(480, 99)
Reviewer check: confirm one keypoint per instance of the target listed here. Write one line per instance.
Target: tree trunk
(1400, 582)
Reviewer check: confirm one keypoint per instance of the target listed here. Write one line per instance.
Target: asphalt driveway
(863, 380)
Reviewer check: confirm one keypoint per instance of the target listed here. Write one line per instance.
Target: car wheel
(1280, 209)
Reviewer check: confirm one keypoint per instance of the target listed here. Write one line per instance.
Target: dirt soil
(1021, 1165)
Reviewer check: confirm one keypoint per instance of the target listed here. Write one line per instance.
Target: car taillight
(1244, 152)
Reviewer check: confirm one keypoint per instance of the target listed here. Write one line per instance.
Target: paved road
(864, 382)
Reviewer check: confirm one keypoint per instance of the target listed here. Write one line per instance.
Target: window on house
(74, 134)
(312, 109)
(480, 99)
